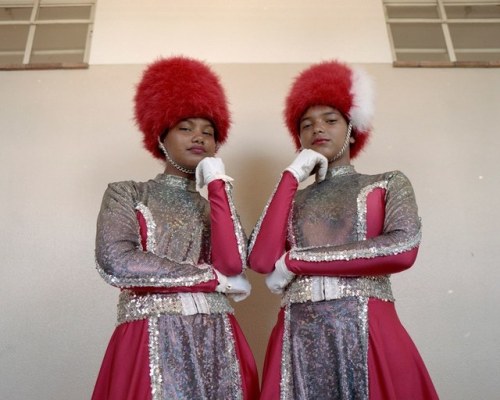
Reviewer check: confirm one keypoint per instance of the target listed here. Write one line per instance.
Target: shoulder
(398, 184)
(397, 177)
(389, 177)
(124, 186)
(125, 190)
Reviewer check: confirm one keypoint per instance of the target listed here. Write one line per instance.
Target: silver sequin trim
(286, 389)
(234, 365)
(151, 227)
(290, 233)
(155, 372)
(320, 288)
(133, 307)
(155, 281)
(256, 230)
(370, 252)
(363, 320)
(362, 197)
(240, 238)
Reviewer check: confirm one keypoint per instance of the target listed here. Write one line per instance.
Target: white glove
(237, 287)
(209, 169)
(304, 164)
(279, 279)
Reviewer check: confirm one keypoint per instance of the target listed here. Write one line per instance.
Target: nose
(198, 137)
(318, 127)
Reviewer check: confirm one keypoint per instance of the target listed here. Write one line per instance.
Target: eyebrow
(321, 115)
(207, 125)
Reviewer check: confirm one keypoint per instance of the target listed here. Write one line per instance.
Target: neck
(171, 170)
(341, 162)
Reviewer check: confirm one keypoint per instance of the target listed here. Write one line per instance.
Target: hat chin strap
(344, 146)
(174, 164)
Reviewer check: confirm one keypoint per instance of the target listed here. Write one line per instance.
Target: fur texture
(176, 88)
(337, 85)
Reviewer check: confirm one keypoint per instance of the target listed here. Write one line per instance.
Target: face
(189, 142)
(324, 129)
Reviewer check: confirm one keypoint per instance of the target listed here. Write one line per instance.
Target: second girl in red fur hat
(329, 250)
(175, 256)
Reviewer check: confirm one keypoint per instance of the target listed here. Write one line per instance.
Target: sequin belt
(133, 306)
(320, 288)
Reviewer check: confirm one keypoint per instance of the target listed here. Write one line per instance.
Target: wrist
(294, 173)
(218, 176)
(282, 267)
(223, 282)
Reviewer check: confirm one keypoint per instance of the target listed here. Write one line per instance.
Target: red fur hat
(176, 88)
(334, 84)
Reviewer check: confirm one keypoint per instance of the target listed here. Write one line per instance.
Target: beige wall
(241, 31)
(66, 134)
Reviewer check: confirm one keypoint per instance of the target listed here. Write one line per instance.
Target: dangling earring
(174, 164)
(345, 145)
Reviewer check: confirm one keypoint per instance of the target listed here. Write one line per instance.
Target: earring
(352, 140)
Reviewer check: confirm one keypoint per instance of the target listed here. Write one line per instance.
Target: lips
(320, 141)
(197, 150)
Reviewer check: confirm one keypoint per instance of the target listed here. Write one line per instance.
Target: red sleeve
(382, 265)
(205, 287)
(269, 236)
(227, 238)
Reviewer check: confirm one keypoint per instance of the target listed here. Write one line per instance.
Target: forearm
(136, 268)
(268, 239)
(204, 287)
(228, 242)
(380, 265)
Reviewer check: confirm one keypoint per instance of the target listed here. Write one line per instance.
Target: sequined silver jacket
(345, 234)
(178, 234)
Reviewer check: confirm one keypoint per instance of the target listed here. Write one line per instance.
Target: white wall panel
(240, 31)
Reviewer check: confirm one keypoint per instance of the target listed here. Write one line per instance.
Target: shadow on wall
(253, 186)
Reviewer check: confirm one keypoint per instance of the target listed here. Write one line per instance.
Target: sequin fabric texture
(327, 319)
(191, 345)
(178, 225)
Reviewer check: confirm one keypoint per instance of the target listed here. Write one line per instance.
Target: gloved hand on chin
(209, 169)
(304, 164)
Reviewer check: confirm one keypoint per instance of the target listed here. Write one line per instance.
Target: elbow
(407, 259)
(228, 264)
(229, 270)
(260, 265)
(410, 257)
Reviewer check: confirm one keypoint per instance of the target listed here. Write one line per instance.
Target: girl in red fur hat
(329, 251)
(175, 256)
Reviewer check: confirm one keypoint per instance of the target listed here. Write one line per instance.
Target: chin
(324, 152)
(194, 159)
